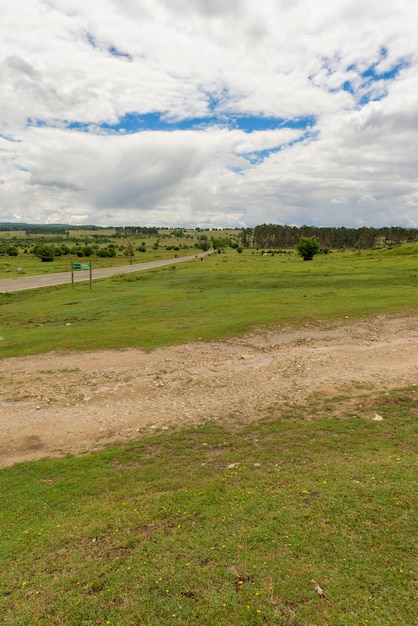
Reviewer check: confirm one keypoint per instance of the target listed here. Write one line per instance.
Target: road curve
(7, 285)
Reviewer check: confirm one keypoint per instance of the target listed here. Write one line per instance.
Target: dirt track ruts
(60, 403)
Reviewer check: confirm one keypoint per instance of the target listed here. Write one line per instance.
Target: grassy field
(225, 526)
(225, 295)
(154, 248)
(221, 524)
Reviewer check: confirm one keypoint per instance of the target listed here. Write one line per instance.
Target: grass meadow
(27, 264)
(222, 524)
(225, 526)
(222, 296)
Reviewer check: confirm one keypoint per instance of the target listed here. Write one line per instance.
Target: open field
(87, 246)
(254, 429)
(223, 296)
(223, 524)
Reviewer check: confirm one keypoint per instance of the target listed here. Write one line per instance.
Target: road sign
(81, 266)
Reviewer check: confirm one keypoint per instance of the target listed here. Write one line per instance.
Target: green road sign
(81, 266)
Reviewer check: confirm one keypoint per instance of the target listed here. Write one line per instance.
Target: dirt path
(71, 402)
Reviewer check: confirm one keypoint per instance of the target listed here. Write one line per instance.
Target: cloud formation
(209, 113)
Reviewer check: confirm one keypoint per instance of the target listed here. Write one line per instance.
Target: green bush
(308, 247)
(44, 252)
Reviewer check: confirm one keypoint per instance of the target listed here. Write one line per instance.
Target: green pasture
(224, 295)
(146, 248)
(222, 525)
(29, 265)
(226, 523)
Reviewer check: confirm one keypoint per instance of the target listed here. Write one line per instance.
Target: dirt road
(58, 403)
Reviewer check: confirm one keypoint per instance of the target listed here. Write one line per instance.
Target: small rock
(377, 418)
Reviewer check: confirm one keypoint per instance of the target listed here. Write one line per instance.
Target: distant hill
(43, 228)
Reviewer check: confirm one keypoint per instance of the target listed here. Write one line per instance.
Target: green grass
(222, 296)
(218, 524)
(27, 264)
(30, 265)
(222, 525)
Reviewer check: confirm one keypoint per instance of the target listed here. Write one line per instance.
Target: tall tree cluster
(282, 237)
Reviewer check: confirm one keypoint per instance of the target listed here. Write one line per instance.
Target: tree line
(43, 229)
(136, 230)
(278, 236)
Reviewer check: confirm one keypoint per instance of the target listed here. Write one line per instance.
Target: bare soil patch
(60, 403)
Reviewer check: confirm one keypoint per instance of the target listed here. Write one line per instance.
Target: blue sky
(133, 122)
(207, 113)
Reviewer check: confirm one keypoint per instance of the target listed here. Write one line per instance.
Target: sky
(209, 113)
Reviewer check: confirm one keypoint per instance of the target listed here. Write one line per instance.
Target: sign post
(81, 266)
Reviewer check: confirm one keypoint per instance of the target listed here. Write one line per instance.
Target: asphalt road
(21, 283)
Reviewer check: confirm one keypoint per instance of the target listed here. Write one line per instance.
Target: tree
(130, 250)
(307, 247)
(44, 252)
(220, 243)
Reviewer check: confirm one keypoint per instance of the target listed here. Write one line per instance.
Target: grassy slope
(221, 526)
(219, 297)
(216, 525)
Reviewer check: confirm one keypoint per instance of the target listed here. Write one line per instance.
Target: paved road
(8, 285)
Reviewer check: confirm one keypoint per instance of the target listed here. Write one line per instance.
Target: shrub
(308, 247)
(44, 252)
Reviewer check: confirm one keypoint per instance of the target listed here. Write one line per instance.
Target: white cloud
(69, 72)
